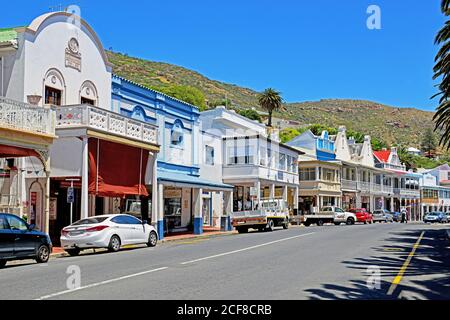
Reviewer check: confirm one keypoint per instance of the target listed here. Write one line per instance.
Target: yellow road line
(400, 275)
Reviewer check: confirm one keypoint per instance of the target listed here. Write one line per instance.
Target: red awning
(116, 170)
(16, 152)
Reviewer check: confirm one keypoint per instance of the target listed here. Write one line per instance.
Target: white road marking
(247, 249)
(100, 284)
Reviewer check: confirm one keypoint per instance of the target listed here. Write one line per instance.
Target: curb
(165, 240)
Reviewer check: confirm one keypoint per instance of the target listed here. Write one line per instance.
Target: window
(241, 155)
(263, 156)
(177, 134)
(282, 162)
(209, 155)
(131, 220)
(338, 210)
(328, 175)
(90, 221)
(308, 174)
(87, 101)
(3, 224)
(16, 223)
(53, 96)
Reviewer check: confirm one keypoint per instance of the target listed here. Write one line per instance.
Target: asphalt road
(382, 261)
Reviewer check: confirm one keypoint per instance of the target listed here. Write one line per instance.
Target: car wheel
(73, 252)
(337, 223)
(270, 226)
(286, 225)
(114, 244)
(350, 221)
(43, 254)
(152, 239)
(320, 223)
(2, 263)
(307, 223)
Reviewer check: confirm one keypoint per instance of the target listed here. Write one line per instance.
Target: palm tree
(271, 100)
(442, 70)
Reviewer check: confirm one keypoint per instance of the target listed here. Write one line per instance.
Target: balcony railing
(91, 117)
(390, 166)
(348, 184)
(22, 116)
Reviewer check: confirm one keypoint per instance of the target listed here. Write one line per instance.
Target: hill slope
(403, 126)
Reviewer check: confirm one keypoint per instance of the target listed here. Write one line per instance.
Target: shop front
(348, 201)
(188, 203)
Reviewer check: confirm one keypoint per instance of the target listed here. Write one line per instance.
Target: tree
(442, 71)
(250, 114)
(187, 94)
(270, 100)
(429, 143)
(288, 134)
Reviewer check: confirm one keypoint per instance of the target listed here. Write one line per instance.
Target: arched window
(177, 134)
(54, 88)
(138, 113)
(88, 94)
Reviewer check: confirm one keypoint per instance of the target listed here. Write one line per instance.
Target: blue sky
(309, 50)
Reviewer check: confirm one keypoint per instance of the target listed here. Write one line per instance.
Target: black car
(19, 241)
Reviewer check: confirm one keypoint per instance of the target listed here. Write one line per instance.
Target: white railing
(349, 184)
(23, 116)
(390, 166)
(365, 186)
(105, 121)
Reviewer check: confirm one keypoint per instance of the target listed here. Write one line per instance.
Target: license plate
(75, 233)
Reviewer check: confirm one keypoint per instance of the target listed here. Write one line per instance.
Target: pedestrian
(403, 216)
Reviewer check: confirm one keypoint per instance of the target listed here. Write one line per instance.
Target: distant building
(414, 151)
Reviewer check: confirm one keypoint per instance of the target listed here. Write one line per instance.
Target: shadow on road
(427, 276)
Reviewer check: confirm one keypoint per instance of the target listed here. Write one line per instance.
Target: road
(326, 262)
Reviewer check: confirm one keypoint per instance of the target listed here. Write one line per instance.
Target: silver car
(382, 215)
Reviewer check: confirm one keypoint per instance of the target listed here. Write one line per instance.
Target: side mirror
(144, 222)
(32, 227)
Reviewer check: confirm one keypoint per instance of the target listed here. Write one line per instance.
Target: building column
(46, 220)
(198, 206)
(160, 213)
(285, 193)
(258, 197)
(296, 195)
(85, 179)
(392, 205)
(272, 192)
(154, 217)
(228, 210)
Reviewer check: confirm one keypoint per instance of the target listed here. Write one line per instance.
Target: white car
(109, 231)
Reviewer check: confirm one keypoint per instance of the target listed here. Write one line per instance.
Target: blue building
(182, 200)
(321, 147)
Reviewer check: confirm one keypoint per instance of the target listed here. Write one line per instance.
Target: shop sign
(172, 193)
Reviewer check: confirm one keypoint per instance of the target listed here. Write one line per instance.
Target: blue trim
(198, 225)
(226, 225)
(325, 156)
(178, 168)
(160, 229)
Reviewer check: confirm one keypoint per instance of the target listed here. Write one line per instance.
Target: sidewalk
(207, 233)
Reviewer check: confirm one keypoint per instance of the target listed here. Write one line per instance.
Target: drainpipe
(1, 58)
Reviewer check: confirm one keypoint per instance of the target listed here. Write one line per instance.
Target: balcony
(349, 185)
(26, 118)
(388, 166)
(94, 118)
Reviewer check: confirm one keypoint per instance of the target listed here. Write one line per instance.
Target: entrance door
(206, 211)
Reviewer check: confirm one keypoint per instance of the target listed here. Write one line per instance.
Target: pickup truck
(329, 215)
(271, 214)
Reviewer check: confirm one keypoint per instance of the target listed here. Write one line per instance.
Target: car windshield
(93, 220)
(433, 214)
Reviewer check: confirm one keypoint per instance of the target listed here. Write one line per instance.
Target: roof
(413, 150)
(184, 180)
(382, 156)
(154, 91)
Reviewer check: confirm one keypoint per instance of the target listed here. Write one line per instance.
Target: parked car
(397, 216)
(108, 231)
(382, 215)
(435, 217)
(19, 241)
(362, 215)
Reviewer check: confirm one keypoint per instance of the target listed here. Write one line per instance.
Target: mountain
(404, 126)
